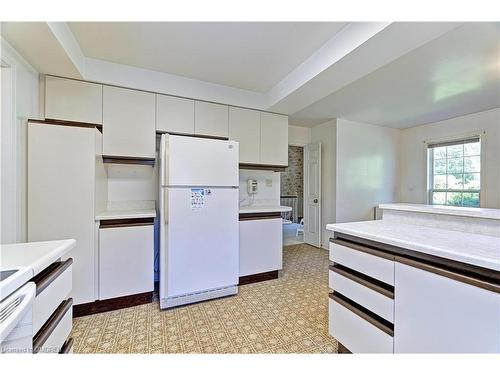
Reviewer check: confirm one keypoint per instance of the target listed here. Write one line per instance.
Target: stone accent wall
(292, 180)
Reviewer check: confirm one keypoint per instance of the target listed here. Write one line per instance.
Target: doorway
(292, 195)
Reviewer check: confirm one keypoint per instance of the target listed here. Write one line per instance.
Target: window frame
(430, 167)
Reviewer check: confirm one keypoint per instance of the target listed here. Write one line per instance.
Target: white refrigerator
(199, 237)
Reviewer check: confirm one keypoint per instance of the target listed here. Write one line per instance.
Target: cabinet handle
(51, 324)
(50, 274)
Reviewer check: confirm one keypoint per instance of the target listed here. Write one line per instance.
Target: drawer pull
(51, 273)
(51, 324)
(68, 345)
(120, 223)
(363, 313)
(364, 249)
(367, 281)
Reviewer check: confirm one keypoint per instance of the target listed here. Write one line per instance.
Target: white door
(202, 240)
(200, 162)
(312, 194)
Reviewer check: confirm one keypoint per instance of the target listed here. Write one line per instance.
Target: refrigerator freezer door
(200, 162)
(202, 240)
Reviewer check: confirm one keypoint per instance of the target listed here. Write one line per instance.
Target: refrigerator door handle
(165, 205)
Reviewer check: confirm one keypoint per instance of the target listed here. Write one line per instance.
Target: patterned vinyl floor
(286, 315)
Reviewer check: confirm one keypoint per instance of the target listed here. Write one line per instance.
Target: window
(455, 172)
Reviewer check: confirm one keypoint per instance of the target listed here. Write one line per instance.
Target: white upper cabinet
(273, 139)
(244, 127)
(70, 100)
(174, 115)
(211, 119)
(128, 123)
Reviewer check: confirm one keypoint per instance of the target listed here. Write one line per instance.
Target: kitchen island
(417, 283)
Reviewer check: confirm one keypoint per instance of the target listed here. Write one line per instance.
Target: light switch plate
(269, 182)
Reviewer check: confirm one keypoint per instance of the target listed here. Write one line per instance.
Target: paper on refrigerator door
(197, 198)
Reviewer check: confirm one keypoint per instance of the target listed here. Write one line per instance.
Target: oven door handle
(14, 309)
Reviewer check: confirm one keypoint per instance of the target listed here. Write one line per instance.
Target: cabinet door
(261, 246)
(436, 314)
(70, 100)
(128, 123)
(244, 127)
(274, 139)
(61, 195)
(174, 115)
(126, 261)
(211, 119)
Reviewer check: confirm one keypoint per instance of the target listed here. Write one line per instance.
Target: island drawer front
(370, 299)
(371, 265)
(355, 333)
(52, 288)
(55, 332)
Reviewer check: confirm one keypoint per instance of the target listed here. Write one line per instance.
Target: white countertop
(263, 208)
(475, 249)
(483, 213)
(30, 258)
(126, 214)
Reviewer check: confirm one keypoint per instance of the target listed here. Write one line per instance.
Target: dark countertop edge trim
(259, 216)
(481, 275)
(117, 223)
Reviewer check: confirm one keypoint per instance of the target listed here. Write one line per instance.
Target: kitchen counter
(263, 209)
(30, 259)
(126, 214)
(475, 249)
(481, 213)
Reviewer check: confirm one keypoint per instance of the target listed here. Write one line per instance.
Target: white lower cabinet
(126, 264)
(261, 246)
(356, 333)
(437, 314)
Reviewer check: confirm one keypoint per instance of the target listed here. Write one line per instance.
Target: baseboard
(111, 304)
(258, 277)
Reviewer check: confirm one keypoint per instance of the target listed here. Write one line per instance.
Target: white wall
(326, 134)
(367, 169)
(414, 155)
(20, 101)
(128, 183)
(298, 136)
(266, 195)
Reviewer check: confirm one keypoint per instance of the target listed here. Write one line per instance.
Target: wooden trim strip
(111, 304)
(67, 346)
(51, 324)
(450, 274)
(367, 281)
(362, 248)
(259, 216)
(363, 313)
(483, 276)
(127, 160)
(75, 124)
(49, 274)
(258, 277)
(342, 349)
(196, 135)
(263, 167)
(119, 223)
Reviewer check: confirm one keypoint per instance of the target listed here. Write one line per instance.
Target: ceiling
(248, 55)
(453, 75)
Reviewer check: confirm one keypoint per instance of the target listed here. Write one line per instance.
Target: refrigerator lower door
(202, 244)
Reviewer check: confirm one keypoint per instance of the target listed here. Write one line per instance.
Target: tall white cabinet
(128, 123)
(273, 139)
(66, 182)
